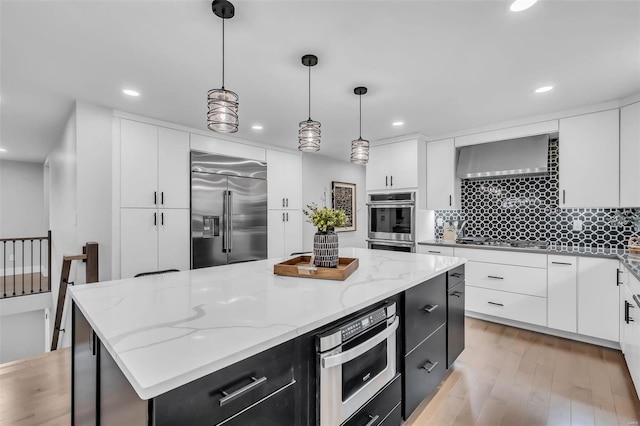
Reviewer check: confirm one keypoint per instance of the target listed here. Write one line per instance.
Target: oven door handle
(341, 358)
(394, 205)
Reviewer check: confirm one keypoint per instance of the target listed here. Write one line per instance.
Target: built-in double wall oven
(355, 361)
(392, 221)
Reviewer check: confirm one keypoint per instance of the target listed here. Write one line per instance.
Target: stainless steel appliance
(392, 221)
(228, 210)
(355, 361)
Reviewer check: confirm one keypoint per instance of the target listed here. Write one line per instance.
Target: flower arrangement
(621, 219)
(324, 218)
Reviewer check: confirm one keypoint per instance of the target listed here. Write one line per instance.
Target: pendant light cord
(309, 92)
(360, 96)
(222, 53)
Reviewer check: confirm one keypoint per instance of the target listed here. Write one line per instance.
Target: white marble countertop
(167, 330)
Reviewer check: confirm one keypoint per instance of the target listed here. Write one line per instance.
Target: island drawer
(379, 407)
(532, 260)
(518, 307)
(425, 309)
(424, 369)
(220, 395)
(437, 250)
(516, 279)
(455, 277)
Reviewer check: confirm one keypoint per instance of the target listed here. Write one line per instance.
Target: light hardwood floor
(508, 376)
(505, 376)
(29, 283)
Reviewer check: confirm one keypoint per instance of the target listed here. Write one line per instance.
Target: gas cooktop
(487, 241)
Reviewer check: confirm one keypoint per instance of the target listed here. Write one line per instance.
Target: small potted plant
(325, 241)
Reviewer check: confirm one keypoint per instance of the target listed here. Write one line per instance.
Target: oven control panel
(363, 323)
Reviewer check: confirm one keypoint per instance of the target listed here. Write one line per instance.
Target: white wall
(22, 213)
(317, 174)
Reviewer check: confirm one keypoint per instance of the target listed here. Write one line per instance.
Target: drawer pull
(430, 369)
(562, 263)
(434, 251)
(456, 274)
(456, 294)
(228, 397)
(496, 304)
(430, 308)
(373, 420)
(494, 277)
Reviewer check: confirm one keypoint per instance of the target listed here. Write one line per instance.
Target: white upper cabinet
(630, 156)
(284, 180)
(138, 164)
(173, 168)
(395, 166)
(443, 187)
(589, 160)
(154, 166)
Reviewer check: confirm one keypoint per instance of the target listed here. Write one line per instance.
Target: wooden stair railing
(90, 256)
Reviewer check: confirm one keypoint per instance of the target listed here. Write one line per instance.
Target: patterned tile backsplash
(526, 208)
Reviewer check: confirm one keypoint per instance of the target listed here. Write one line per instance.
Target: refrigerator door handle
(225, 218)
(230, 221)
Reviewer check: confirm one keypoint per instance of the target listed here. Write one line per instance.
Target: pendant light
(223, 104)
(360, 147)
(309, 132)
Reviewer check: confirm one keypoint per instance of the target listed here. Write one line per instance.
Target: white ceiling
(439, 66)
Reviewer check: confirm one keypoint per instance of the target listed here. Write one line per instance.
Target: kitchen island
(165, 331)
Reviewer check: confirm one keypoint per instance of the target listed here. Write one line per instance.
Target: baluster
(4, 268)
(31, 266)
(14, 267)
(22, 241)
(40, 260)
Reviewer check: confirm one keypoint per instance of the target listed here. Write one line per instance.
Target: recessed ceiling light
(544, 89)
(520, 5)
(130, 92)
(3, 150)
(256, 127)
(397, 123)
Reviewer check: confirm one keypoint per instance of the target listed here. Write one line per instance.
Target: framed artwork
(344, 198)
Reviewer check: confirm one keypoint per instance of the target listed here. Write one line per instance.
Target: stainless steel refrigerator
(228, 210)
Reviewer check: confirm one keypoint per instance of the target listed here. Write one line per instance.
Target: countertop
(631, 261)
(167, 330)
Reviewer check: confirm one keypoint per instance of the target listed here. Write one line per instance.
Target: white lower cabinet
(153, 240)
(598, 298)
(435, 250)
(630, 332)
(284, 232)
(562, 304)
(513, 306)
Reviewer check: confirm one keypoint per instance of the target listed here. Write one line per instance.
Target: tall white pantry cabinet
(154, 198)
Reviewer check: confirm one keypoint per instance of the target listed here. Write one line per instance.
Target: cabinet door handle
(450, 200)
(287, 202)
(155, 197)
(434, 251)
(564, 197)
(391, 180)
(283, 217)
(626, 312)
(496, 304)
(618, 272)
(155, 219)
(162, 198)
(429, 369)
(562, 263)
(494, 277)
(283, 202)
(287, 216)
(456, 294)
(228, 397)
(386, 181)
(162, 218)
(429, 308)
(373, 420)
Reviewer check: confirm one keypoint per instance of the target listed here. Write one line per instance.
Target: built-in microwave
(392, 216)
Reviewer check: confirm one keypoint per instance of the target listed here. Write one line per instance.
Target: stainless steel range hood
(522, 156)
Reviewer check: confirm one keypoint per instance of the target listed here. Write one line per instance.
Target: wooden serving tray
(289, 268)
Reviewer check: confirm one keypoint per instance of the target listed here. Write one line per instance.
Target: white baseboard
(546, 330)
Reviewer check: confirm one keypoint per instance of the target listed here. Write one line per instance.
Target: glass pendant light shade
(360, 151)
(223, 111)
(360, 147)
(309, 136)
(223, 104)
(309, 132)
